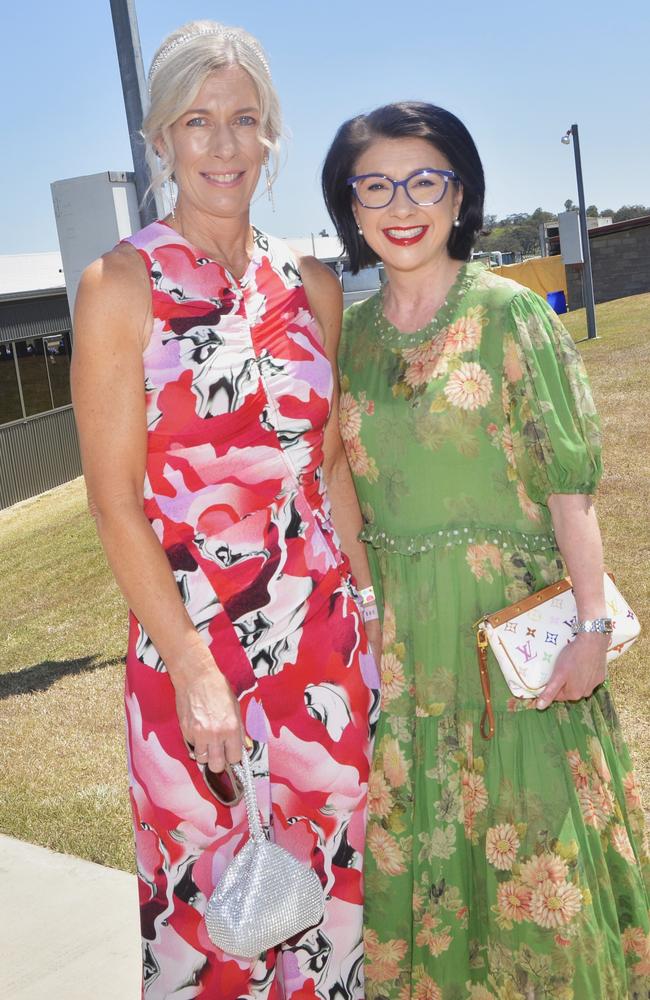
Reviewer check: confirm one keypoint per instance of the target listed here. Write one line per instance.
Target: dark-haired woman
(513, 868)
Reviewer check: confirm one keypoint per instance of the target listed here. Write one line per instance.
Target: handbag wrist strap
(245, 775)
(487, 719)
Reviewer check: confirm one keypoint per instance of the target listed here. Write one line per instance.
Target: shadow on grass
(42, 675)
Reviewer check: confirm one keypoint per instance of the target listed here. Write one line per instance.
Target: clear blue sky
(518, 74)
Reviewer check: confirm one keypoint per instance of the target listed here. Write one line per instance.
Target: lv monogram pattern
(527, 646)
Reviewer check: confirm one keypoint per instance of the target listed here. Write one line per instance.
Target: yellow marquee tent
(542, 274)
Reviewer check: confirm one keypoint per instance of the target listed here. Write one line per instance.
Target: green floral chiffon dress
(515, 868)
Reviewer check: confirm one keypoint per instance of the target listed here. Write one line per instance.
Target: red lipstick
(404, 241)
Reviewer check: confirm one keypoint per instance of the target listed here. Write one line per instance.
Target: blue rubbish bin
(557, 301)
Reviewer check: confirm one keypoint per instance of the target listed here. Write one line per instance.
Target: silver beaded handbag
(265, 895)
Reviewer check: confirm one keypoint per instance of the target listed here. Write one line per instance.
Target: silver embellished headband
(217, 31)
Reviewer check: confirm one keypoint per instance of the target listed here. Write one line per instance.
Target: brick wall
(620, 262)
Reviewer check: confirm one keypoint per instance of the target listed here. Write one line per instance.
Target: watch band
(605, 626)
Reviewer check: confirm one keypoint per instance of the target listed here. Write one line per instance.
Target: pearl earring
(456, 222)
(359, 230)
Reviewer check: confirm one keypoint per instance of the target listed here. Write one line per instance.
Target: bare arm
(581, 666)
(326, 301)
(112, 324)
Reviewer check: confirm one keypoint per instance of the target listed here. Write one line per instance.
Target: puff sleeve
(555, 429)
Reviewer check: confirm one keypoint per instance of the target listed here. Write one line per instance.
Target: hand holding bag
(526, 639)
(265, 895)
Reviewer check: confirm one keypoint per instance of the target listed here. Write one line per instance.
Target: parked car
(496, 258)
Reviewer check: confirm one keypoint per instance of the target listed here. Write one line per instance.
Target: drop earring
(456, 223)
(269, 185)
(173, 196)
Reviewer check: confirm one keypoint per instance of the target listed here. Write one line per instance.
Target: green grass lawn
(61, 726)
(619, 366)
(61, 675)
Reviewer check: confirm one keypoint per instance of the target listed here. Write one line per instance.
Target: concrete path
(69, 929)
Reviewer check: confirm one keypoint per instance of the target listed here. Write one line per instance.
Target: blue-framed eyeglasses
(423, 187)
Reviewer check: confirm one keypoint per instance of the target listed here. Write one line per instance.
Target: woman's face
(404, 235)
(218, 154)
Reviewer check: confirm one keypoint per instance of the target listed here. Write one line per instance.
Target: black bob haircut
(406, 120)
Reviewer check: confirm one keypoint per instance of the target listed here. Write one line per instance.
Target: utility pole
(587, 277)
(129, 55)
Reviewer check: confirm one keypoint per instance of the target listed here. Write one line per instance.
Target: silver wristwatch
(603, 625)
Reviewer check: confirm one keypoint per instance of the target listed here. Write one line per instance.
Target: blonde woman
(203, 388)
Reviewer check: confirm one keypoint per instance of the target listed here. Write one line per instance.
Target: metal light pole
(587, 277)
(129, 54)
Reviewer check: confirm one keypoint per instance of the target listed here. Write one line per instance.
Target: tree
(519, 232)
(539, 215)
(527, 235)
(592, 211)
(630, 212)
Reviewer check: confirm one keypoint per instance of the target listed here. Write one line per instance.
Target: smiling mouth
(224, 180)
(404, 237)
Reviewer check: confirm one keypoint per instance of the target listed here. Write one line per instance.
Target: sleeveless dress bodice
(238, 390)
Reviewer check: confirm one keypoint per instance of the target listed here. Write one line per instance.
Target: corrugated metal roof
(619, 227)
(34, 317)
(30, 272)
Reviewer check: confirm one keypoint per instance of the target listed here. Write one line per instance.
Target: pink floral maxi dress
(238, 392)
(515, 869)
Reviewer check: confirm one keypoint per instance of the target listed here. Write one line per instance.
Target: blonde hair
(178, 70)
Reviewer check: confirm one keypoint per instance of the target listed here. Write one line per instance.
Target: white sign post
(570, 239)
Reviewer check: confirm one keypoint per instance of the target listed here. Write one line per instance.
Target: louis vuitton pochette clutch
(527, 637)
